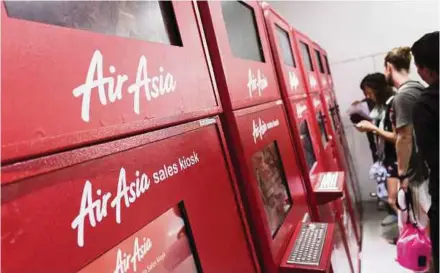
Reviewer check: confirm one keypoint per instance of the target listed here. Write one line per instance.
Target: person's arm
(403, 108)
(403, 148)
(366, 126)
(388, 136)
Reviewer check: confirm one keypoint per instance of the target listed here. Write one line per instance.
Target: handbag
(413, 245)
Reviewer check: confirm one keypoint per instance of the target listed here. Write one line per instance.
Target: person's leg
(393, 186)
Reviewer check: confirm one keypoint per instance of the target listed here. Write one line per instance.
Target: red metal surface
(42, 212)
(55, 61)
(311, 77)
(322, 76)
(325, 263)
(290, 77)
(302, 110)
(246, 137)
(341, 163)
(329, 150)
(245, 82)
(328, 71)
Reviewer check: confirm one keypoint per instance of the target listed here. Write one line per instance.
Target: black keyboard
(308, 246)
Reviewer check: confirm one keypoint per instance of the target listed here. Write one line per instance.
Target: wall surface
(356, 36)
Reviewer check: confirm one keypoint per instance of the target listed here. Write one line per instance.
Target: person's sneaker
(389, 220)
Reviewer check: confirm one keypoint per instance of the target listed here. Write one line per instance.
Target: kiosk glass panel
(305, 51)
(152, 21)
(241, 27)
(286, 49)
(318, 57)
(333, 116)
(163, 245)
(272, 184)
(306, 142)
(324, 136)
(327, 65)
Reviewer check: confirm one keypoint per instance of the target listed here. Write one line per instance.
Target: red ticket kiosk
(128, 206)
(258, 134)
(306, 133)
(76, 73)
(336, 159)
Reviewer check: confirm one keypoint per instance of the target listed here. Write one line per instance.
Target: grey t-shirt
(402, 115)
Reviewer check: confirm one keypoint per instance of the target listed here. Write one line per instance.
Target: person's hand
(404, 184)
(365, 126)
(356, 102)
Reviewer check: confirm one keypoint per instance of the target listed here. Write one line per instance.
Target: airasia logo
(316, 103)
(260, 128)
(256, 83)
(293, 81)
(300, 109)
(312, 81)
(108, 90)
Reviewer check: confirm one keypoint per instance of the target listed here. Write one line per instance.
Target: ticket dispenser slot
(309, 249)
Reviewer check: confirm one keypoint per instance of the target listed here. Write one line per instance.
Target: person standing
(412, 171)
(426, 124)
(375, 88)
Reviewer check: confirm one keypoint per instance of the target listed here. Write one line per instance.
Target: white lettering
(260, 128)
(160, 85)
(127, 192)
(256, 83)
(293, 80)
(312, 81)
(87, 208)
(316, 103)
(300, 109)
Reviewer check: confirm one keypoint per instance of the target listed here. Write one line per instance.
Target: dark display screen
(306, 142)
(318, 57)
(334, 117)
(305, 51)
(286, 49)
(272, 184)
(324, 136)
(152, 21)
(327, 65)
(242, 30)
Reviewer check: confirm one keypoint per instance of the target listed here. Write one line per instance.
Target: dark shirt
(426, 126)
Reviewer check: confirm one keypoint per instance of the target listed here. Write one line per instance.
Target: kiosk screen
(152, 21)
(286, 49)
(241, 27)
(307, 145)
(324, 136)
(305, 51)
(272, 184)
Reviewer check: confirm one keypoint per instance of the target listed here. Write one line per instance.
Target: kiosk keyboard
(329, 181)
(308, 246)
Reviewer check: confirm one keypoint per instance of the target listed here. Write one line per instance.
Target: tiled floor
(378, 256)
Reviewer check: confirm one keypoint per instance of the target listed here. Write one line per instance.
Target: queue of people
(405, 122)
